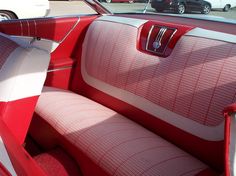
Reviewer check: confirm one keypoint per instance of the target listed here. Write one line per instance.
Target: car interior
(131, 94)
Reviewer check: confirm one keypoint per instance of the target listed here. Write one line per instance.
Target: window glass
(20, 9)
(220, 10)
(58, 8)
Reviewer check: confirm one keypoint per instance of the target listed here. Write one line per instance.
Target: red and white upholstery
(22, 74)
(186, 90)
(116, 144)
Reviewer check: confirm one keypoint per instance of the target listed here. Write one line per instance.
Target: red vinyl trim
(227, 112)
(21, 160)
(48, 28)
(230, 109)
(227, 142)
(17, 116)
(61, 63)
(66, 48)
(145, 29)
(59, 78)
(63, 56)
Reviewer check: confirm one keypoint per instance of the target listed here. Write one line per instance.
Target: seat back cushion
(22, 74)
(186, 90)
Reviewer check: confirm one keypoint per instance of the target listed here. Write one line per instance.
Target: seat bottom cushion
(116, 144)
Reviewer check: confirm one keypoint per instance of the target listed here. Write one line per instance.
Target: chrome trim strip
(35, 23)
(21, 28)
(77, 22)
(59, 69)
(35, 28)
(149, 34)
(28, 27)
(160, 36)
(98, 7)
(31, 40)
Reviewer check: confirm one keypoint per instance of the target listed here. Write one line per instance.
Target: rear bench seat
(115, 143)
(186, 90)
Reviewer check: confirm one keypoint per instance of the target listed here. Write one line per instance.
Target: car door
(194, 5)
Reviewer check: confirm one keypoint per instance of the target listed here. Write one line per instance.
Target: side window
(58, 8)
(42, 8)
(219, 10)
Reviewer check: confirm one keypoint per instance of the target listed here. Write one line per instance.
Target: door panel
(48, 28)
(66, 33)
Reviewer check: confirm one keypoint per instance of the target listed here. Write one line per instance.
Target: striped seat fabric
(117, 145)
(7, 47)
(186, 90)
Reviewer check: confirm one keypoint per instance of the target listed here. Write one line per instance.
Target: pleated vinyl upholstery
(195, 81)
(192, 85)
(115, 143)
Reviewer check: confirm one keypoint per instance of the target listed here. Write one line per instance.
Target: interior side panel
(63, 58)
(48, 28)
(66, 32)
